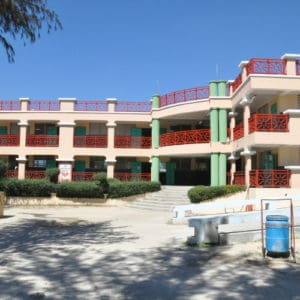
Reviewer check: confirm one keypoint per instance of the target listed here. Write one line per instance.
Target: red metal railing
(237, 82)
(270, 178)
(238, 131)
(82, 176)
(9, 140)
(185, 95)
(10, 105)
(269, 122)
(92, 141)
(266, 66)
(297, 67)
(42, 140)
(133, 142)
(126, 106)
(44, 105)
(239, 178)
(82, 105)
(11, 174)
(196, 136)
(33, 174)
(133, 176)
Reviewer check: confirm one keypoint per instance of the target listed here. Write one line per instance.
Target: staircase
(164, 200)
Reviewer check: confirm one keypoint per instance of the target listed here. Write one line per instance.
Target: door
(79, 166)
(274, 109)
(170, 176)
(80, 131)
(51, 130)
(50, 163)
(268, 161)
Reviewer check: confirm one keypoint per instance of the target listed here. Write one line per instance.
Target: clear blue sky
(131, 49)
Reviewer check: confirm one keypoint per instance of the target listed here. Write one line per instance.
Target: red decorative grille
(196, 136)
(82, 176)
(96, 141)
(82, 105)
(125, 106)
(10, 105)
(133, 142)
(238, 131)
(266, 66)
(133, 176)
(33, 174)
(269, 123)
(9, 140)
(270, 178)
(185, 95)
(239, 178)
(42, 140)
(237, 82)
(11, 173)
(297, 67)
(44, 105)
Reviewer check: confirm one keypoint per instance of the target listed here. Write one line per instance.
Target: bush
(3, 184)
(81, 189)
(125, 189)
(28, 188)
(52, 174)
(3, 169)
(203, 193)
(113, 181)
(101, 180)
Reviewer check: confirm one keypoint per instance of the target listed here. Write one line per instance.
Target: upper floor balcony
(90, 141)
(141, 142)
(42, 140)
(9, 140)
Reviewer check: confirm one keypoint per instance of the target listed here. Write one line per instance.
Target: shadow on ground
(77, 260)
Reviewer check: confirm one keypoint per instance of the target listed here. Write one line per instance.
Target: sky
(132, 49)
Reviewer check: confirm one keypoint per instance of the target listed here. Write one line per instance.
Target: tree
(25, 19)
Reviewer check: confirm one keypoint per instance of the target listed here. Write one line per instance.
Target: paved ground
(121, 253)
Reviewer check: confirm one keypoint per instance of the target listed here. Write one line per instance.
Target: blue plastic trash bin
(277, 234)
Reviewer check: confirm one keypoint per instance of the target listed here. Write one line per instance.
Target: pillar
(111, 104)
(232, 159)
(232, 116)
(155, 132)
(155, 101)
(213, 88)
(248, 163)
(111, 126)
(110, 168)
(222, 88)
(24, 103)
(246, 117)
(66, 138)
(67, 104)
(222, 125)
(21, 167)
(155, 168)
(214, 130)
(23, 132)
(214, 169)
(222, 168)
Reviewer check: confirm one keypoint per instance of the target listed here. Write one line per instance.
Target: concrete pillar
(67, 104)
(66, 137)
(222, 125)
(290, 63)
(110, 168)
(65, 167)
(232, 170)
(155, 168)
(222, 168)
(24, 103)
(214, 169)
(213, 88)
(214, 129)
(155, 101)
(111, 135)
(222, 88)
(248, 163)
(21, 167)
(155, 129)
(232, 116)
(246, 117)
(111, 104)
(23, 132)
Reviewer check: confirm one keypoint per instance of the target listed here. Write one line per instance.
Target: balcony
(92, 141)
(131, 106)
(238, 131)
(265, 66)
(239, 178)
(11, 174)
(133, 176)
(196, 136)
(237, 82)
(140, 142)
(83, 105)
(270, 178)
(269, 123)
(82, 176)
(10, 105)
(44, 105)
(42, 140)
(35, 174)
(9, 140)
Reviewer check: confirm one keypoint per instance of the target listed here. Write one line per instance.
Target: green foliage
(3, 169)
(125, 189)
(101, 180)
(113, 181)
(28, 188)
(203, 193)
(81, 189)
(3, 184)
(25, 19)
(52, 174)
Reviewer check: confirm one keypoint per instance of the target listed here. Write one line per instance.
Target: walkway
(122, 253)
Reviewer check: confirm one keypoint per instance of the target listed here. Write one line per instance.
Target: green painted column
(214, 129)
(155, 101)
(155, 168)
(213, 88)
(214, 169)
(155, 133)
(222, 88)
(222, 168)
(222, 125)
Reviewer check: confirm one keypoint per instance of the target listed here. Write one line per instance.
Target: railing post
(67, 104)
(111, 103)
(21, 167)
(243, 66)
(290, 63)
(24, 103)
(248, 164)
